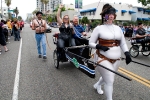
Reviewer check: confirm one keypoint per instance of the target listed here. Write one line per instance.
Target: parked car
(48, 28)
(54, 24)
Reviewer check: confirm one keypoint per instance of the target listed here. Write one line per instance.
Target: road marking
(16, 83)
(135, 77)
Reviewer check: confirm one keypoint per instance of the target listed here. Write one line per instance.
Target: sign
(78, 4)
(10, 10)
(13, 15)
(75, 62)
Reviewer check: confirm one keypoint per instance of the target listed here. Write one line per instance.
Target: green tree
(85, 20)
(16, 11)
(49, 18)
(144, 2)
(70, 9)
(63, 9)
(19, 18)
(95, 23)
(8, 3)
(35, 11)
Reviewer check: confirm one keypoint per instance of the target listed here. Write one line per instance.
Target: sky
(28, 6)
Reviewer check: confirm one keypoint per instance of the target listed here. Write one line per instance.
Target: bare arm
(59, 20)
(33, 25)
(45, 26)
(140, 36)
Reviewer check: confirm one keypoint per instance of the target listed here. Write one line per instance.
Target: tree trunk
(8, 13)
(16, 15)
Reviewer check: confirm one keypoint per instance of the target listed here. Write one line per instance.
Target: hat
(39, 13)
(109, 10)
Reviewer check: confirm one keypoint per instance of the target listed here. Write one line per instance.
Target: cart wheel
(56, 59)
(147, 52)
(134, 51)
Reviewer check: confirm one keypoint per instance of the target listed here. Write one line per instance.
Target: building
(70, 10)
(69, 6)
(3, 17)
(93, 12)
(4, 12)
(29, 15)
(50, 7)
(70, 13)
(55, 3)
(40, 6)
(140, 14)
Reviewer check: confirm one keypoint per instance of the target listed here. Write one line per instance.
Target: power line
(96, 8)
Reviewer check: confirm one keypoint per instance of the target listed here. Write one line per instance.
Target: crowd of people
(130, 31)
(8, 29)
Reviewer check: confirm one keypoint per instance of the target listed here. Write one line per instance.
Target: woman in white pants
(111, 41)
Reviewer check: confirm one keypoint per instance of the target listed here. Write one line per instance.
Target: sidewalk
(8, 63)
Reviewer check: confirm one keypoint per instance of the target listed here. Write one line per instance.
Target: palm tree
(16, 11)
(44, 3)
(34, 12)
(8, 3)
(19, 18)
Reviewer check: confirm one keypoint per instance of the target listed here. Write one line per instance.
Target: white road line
(16, 83)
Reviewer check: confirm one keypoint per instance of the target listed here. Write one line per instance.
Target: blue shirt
(78, 29)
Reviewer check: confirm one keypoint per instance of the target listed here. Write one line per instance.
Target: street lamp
(1, 9)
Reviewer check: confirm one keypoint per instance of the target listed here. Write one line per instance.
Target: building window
(122, 14)
(93, 13)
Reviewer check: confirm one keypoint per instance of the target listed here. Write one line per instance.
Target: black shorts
(3, 41)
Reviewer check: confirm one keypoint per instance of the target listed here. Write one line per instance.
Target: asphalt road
(40, 80)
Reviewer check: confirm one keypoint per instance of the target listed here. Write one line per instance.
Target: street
(40, 80)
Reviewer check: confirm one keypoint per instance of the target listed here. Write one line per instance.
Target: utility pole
(1, 10)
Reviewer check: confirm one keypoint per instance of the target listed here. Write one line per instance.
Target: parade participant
(9, 27)
(108, 52)
(39, 25)
(66, 31)
(79, 32)
(2, 37)
(141, 36)
(16, 31)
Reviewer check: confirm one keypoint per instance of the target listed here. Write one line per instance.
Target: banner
(78, 4)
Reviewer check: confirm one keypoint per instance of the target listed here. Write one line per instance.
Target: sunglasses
(66, 18)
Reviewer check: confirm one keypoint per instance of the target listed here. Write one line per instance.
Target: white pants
(107, 77)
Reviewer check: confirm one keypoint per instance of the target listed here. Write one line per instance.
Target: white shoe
(98, 87)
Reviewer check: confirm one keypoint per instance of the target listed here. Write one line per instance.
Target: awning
(145, 19)
(123, 11)
(140, 9)
(147, 10)
(88, 10)
(131, 12)
(139, 18)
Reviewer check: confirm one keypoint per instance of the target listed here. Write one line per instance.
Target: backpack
(5, 30)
